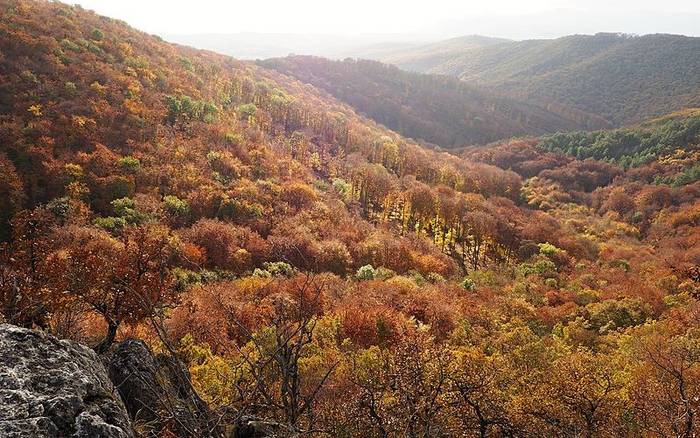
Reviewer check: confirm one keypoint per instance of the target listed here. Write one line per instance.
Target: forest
(619, 77)
(436, 109)
(290, 252)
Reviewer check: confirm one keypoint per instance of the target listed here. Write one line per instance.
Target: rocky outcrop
(156, 391)
(54, 388)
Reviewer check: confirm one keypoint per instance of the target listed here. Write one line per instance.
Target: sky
(517, 19)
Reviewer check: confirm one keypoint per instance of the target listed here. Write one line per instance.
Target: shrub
(130, 164)
(247, 110)
(468, 284)
(110, 224)
(366, 272)
(176, 206)
(279, 269)
(548, 249)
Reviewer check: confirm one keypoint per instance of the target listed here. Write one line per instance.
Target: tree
(124, 280)
(665, 389)
(11, 195)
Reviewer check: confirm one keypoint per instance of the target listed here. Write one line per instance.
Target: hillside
(632, 146)
(423, 58)
(624, 79)
(436, 109)
(278, 252)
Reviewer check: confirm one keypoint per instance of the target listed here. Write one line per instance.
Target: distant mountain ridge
(426, 57)
(436, 109)
(622, 78)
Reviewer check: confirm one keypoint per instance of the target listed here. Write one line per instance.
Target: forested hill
(633, 146)
(436, 109)
(423, 58)
(290, 253)
(624, 79)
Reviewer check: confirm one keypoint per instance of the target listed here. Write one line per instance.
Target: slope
(423, 58)
(436, 109)
(291, 253)
(622, 78)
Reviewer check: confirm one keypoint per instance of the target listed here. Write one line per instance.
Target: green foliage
(437, 109)
(366, 272)
(629, 147)
(261, 273)
(187, 64)
(435, 278)
(382, 273)
(70, 45)
(687, 176)
(29, 76)
(548, 249)
(186, 278)
(125, 208)
(343, 188)
(543, 267)
(620, 78)
(615, 314)
(60, 207)
(282, 269)
(111, 224)
(247, 110)
(71, 88)
(468, 284)
(176, 206)
(185, 108)
(621, 264)
(234, 138)
(97, 34)
(130, 164)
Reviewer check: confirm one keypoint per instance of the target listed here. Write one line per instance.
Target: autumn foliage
(293, 254)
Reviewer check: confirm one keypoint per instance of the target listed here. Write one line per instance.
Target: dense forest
(621, 78)
(293, 254)
(437, 109)
(631, 147)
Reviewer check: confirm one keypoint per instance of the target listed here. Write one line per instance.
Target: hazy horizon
(440, 20)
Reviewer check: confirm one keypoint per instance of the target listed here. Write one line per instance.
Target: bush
(185, 278)
(468, 284)
(279, 269)
(176, 206)
(125, 208)
(615, 314)
(247, 110)
(548, 249)
(111, 224)
(261, 273)
(366, 272)
(130, 164)
(382, 273)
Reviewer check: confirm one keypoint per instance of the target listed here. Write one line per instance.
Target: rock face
(156, 391)
(53, 388)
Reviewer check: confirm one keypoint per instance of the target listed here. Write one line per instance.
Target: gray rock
(53, 388)
(156, 391)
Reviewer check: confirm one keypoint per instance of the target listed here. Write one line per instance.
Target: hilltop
(621, 78)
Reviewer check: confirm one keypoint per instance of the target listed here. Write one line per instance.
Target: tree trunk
(107, 342)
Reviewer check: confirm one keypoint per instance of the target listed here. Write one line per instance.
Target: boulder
(156, 391)
(54, 388)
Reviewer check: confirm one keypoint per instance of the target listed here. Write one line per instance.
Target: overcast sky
(505, 18)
